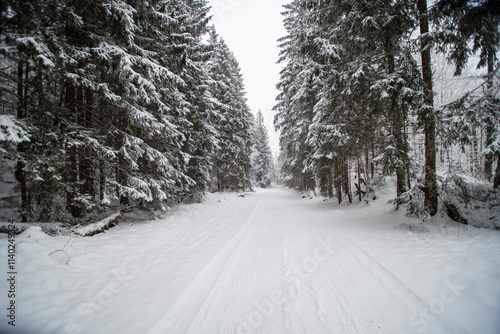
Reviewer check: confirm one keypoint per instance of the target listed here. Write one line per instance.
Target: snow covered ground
(271, 262)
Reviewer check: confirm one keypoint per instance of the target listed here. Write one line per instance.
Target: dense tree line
(356, 91)
(129, 100)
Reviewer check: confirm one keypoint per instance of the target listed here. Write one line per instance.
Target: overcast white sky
(251, 29)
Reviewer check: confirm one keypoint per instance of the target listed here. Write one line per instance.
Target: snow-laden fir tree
(292, 119)
(294, 105)
(233, 122)
(262, 158)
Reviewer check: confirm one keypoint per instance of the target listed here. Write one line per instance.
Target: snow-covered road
(271, 262)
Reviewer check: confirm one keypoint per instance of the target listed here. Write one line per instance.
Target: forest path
(287, 270)
(271, 262)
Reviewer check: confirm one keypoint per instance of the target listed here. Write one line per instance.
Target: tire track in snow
(244, 283)
(146, 268)
(400, 290)
(180, 315)
(357, 305)
(174, 251)
(299, 309)
(327, 299)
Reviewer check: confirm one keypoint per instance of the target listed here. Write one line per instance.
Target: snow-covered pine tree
(294, 108)
(186, 55)
(385, 28)
(234, 122)
(153, 130)
(262, 157)
(427, 113)
(292, 119)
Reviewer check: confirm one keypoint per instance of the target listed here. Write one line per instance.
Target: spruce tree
(427, 113)
(262, 155)
(233, 122)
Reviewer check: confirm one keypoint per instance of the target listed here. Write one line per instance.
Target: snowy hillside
(271, 262)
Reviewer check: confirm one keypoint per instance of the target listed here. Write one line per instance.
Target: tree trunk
(79, 106)
(408, 178)
(102, 181)
(72, 158)
(308, 181)
(102, 165)
(359, 180)
(397, 123)
(123, 180)
(330, 183)
(428, 116)
(25, 89)
(219, 183)
(338, 178)
(86, 100)
(347, 185)
(367, 163)
(21, 112)
(20, 174)
(89, 108)
(488, 163)
(368, 178)
(474, 155)
(372, 164)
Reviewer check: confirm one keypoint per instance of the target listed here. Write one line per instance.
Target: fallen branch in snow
(100, 226)
(62, 251)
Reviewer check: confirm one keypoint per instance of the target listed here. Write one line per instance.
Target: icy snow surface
(271, 262)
